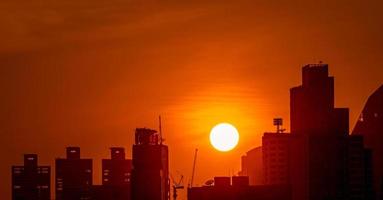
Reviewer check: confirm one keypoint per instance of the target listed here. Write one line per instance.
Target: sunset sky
(87, 73)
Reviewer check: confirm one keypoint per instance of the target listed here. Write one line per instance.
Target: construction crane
(177, 186)
(194, 163)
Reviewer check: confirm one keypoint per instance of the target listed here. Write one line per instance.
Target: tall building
(150, 174)
(238, 188)
(276, 158)
(252, 166)
(370, 126)
(30, 181)
(312, 108)
(116, 174)
(360, 172)
(324, 129)
(73, 176)
(325, 162)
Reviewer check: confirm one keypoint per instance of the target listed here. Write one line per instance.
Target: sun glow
(224, 137)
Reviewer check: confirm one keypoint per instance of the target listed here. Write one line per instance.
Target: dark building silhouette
(30, 181)
(73, 176)
(312, 108)
(324, 162)
(324, 130)
(252, 166)
(360, 174)
(238, 188)
(150, 174)
(116, 176)
(370, 126)
(276, 158)
(117, 170)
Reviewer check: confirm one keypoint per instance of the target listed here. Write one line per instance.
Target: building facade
(116, 175)
(325, 162)
(150, 173)
(370, 127)
(30, 181)
(73, 176)
(276, 158)
(252, 166)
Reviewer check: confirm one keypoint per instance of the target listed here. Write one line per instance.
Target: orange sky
(87, 73)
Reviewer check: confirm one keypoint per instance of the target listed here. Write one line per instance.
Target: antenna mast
(194, 162)
(160, 127)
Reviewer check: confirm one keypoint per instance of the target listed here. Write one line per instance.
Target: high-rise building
(276, 157)
(312, 108)
(30, 181)
(370, 126)
(116, 174)
(150, 174)
(324, 129)
(325, 163)
(360, 172)
(252, 166)
(73, 176)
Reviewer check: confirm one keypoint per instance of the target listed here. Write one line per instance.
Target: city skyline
(319, 150)
(88, 73)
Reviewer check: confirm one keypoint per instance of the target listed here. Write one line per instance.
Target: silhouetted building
(370, 125)
(276, 158)
(73, 176)
(239, 189)
(252, 166)
(150, 174)
(312, 105)
(325, 163)
(116, 176)
(31, 182)
(359, 170)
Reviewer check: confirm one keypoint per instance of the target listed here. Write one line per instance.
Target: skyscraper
(312, 108)
(370, 126)
(276, 158)
(323, 131)
(325, 162)
(30, 181)
(360, 174)
(116, 174)
(73, 176)
(150, 174)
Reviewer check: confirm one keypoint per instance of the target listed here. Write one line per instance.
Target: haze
(86, 73)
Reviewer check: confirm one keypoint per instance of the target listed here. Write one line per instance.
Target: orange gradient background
(88, 73)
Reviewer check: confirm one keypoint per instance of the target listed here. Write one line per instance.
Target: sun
(224, 137)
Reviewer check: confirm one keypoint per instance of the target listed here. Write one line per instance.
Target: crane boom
(194, 163)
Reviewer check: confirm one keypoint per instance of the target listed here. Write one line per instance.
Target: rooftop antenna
(194, 162)
(159, 120)
(278, 122)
